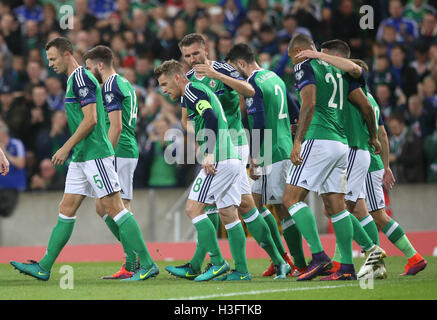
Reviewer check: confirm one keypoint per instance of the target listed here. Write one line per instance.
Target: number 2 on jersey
(282, 115)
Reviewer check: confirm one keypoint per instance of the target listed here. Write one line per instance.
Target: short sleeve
(192, 98)
(303, 75)
(256, 103)
(112, 95)
(381, 120)
(84, 88)
(227, 70)
(355, 83)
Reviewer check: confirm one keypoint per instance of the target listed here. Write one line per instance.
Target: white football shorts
(374, 191)
(92, 178)
(323, 169)
(125, 168)
(358, 163)
(271, 183)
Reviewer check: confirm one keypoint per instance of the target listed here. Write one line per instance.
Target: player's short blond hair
(169, 67)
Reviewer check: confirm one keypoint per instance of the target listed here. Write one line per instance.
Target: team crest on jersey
(235, 74)
(249, 102)
(299, 75)
(212, 84)
(83, 92)
(109, 97)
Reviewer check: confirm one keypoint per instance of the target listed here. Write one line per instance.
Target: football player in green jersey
(268, 113)
(319, 156)
(91, 172)
(219, 181)
(120, 102)
(358, 131)
(227, 84)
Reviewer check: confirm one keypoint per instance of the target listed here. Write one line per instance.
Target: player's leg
(305, 221)
(394, 232)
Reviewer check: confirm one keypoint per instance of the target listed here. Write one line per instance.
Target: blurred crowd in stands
(401, 51)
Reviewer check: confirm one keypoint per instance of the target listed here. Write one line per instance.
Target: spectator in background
(84, 15)
(49, 22)
(51, 138)
(406, 77)
(180, 29)
(406, 152)
(47, 178)
(385, 99)
(406, 29)
(189, 13)
(10, 29)
(346, 26)
(382, 74)
(417, 9)
(308, 14)
(101, 9)
(428, 92)
(268, 43)
(161, 173)
(14, 113)
(30, 10)
(4, 164)
(216, 22)
(389, 37)
(223, 46)
(428, 30)
(8, 77)
(430, 148)
(234, 12)
(421, 120)
(55, 94)
(40, 115)
(421, 62)
(291, 28)
(144, 71)
(257, 17)
(15, 153)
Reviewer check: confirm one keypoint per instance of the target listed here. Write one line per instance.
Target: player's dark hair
(361, 63)
(191, 38)
(169, 67)
(240, 51)
(300, 41)
(100, 53)
(62, 44)
(337, 46)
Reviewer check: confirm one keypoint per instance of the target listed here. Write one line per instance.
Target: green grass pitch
(88, 285)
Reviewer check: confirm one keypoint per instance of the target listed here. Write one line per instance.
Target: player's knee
(288, 200)
(67, 209)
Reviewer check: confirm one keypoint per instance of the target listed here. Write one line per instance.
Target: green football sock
(306, 224)
(200, 253)
(131, 237)
(131, 257)
(274, 230)
(237, 244)
(371, 229)
(344, 232)
(58, 239)
(337, 255)
(293, 238)
(396, 235)
(260, 231)
(207, 238)
(360, 235)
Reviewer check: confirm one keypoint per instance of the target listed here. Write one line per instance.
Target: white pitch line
(231, 294)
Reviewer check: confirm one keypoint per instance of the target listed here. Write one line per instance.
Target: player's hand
(308, 54)
(208, 164)
(295, 157)
(60, 156)
(375, 143)
(4, 164)
(388, 179)
(205, 70)
(253, 174)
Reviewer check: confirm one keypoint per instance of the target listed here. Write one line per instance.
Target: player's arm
(342, 63)
(83, 130)
(388, 178)
(4, 164)
(229, 76)
(359, 99)
(115, 127)
(204, 108)
(85, 91)
(308, 96)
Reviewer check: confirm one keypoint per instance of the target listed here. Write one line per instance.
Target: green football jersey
(197, 98)
(118, 94)
(375, 159)
(270, 101)
(83, 89)
(332, 90)
(228, 97)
